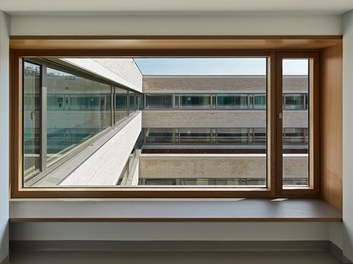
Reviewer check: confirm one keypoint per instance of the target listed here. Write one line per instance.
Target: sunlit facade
(67, 109)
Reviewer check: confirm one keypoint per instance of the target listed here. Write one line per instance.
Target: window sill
(172, 210)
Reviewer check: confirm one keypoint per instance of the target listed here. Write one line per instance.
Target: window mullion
(43, 120)
(112, 105)
(274, 108)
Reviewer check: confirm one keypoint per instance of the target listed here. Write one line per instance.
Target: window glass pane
(294, 101)
(195, 101)
(221, 142)
(194, 135)
(203, 181)
(131, 102)
(159, 101)
(121, 110)
(136, 102)
(233, 135)
(259, 135)
(295, 123)
(78, 109)
(232, 101)
(295, 136)
(159, 135)
(31, 119)
(158, 181)
(259, 101)
(239, 135)
(140, 102)
(177, 97)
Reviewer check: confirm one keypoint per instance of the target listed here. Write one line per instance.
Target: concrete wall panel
(217, 118)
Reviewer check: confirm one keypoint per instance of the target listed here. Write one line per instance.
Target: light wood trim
(163, 220)
(331, 126)
(177, 37)
(172, 42)
(314, 124)
(314, 137)
(15, 123)
(111, 53)
(275, 166)
(272, 124)
(279, 122)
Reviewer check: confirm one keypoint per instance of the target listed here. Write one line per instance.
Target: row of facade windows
(130, 101)
(258, 182)
(72, 108)
(291, 101)
(220, 136)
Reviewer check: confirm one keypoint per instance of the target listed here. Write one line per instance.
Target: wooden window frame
(274, 167)
(313, 121)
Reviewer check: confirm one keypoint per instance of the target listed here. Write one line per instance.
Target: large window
(256, 127)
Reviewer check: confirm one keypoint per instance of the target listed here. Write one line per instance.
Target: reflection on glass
(133, 102)
(195, 101)
(140, 102)
(159, 135)
(194, 135)
(260, 135)
(295, 101)
(295, 136)
(239, 101)
(233, 135)
(259, 101)
(158, 182)
(159, 101)
(121, 110)
(203, 181)
(244, 101)
(31, 118)
(78, 109)
(295, 125)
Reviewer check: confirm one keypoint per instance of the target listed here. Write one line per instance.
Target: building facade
(215, 124)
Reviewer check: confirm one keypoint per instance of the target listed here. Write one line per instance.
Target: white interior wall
(159, 24)
(176, 25)
(336, 234)
(170, 231)
(347, 135)
(4, 134)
